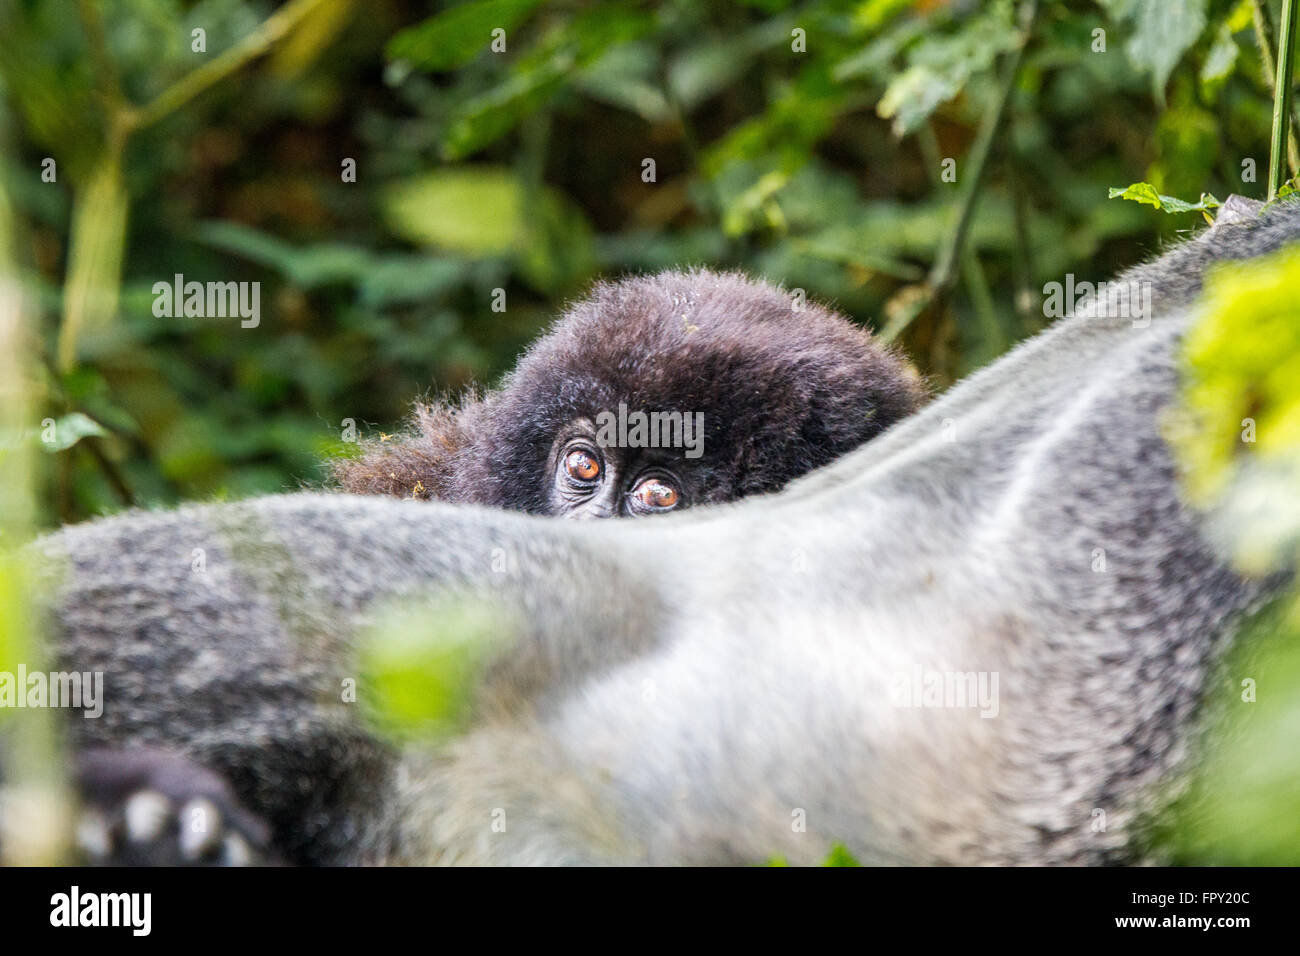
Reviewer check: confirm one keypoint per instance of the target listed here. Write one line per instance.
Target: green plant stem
(91, 288)
(944, 272)
(273, 29)
(106, 78)
(36, 791)
(977, 287)
(1282, 97)
(1024, 263)
(1264, 37)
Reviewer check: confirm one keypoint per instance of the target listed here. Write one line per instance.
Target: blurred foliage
(1237, 435)
(1241, 805)
(1240, 441)
(804, 141)
(35, 813)
(839, 855)
(420, 665)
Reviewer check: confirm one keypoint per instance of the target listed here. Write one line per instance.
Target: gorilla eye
(581, 466)
(655, 494)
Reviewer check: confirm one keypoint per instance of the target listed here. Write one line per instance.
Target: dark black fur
(782, 392)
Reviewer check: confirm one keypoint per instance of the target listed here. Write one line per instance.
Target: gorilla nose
(590, 512)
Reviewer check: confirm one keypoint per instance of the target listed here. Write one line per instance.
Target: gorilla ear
(420, 462)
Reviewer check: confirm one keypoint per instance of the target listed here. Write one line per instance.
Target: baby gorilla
(654, 393)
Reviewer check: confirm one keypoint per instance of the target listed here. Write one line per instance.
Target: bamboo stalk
(1282, 98)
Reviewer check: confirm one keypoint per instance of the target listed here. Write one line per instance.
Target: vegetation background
(804, 141)
(523, 170)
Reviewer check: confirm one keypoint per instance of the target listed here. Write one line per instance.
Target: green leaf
(70, 429)
(1146, 193)
(380, 279)
(873, 14)
(916, 93)
(456, 36)
(421, 665)
(625, 77)
(939, 68)
(1119, 10)
(1241, 804)
(307, 267)
(1239, 435)
(1163, 31)
(1138, 192)
(703, 70)
(1221, 59)
(840, 856)
(397, 278)
(483, 212)
(875, 60)
(473, 210)
(483, 119)
(833, 248)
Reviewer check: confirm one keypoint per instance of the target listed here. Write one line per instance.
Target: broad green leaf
(306, 266)
(1119, 10)
(916, 93)
(1239, 435)
(560, 56)
(873, 14)
(939, 67)
(380, 279)
(472, 210)
(483, 119)
(558, 248)
(70, 429)
(703, 69)
(1163, 30)
(840, 856)
(625, 76)
(875, 60)
(854, 255)
(421, 665)
(1221, 59)
(1242, 803)
(393, 279)
(1146, 193)
(456, 36)
(483, 212)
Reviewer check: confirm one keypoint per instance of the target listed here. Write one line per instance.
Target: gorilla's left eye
(581, 466)
(655, 494)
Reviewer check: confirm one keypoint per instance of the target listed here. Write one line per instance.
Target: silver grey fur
(680, 690)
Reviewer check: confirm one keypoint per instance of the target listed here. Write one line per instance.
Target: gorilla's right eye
(581, 466)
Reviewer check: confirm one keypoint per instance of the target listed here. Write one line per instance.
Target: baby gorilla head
(653, 394)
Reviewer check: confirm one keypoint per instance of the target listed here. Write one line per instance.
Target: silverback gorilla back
(681, 690)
